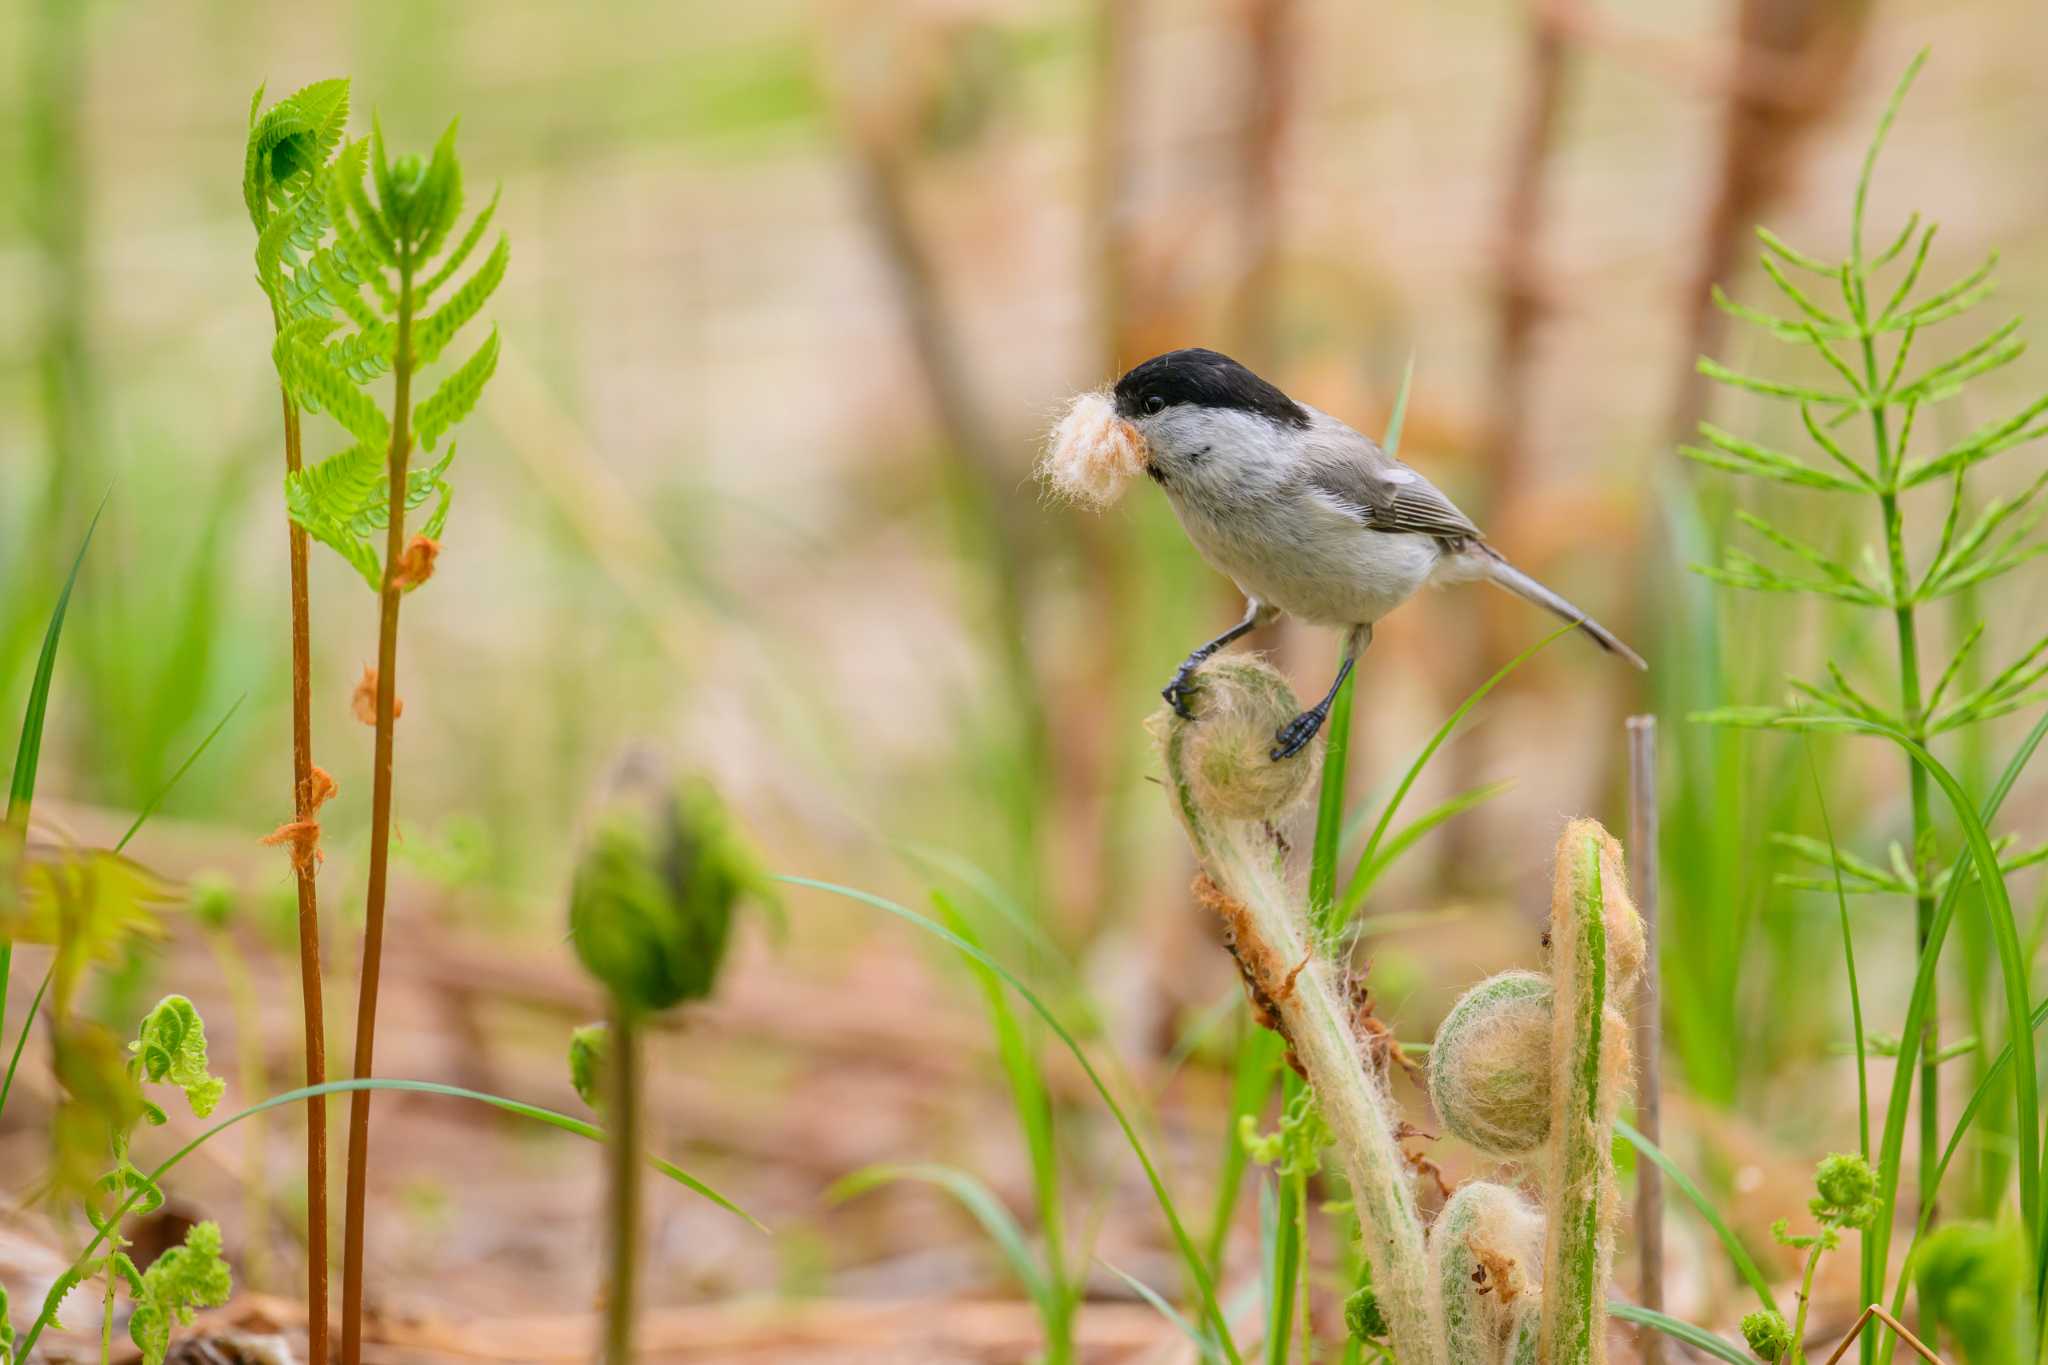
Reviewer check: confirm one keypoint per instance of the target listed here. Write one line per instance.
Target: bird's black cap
(1206, 379)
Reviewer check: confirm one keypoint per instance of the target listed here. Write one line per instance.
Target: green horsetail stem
(1294, 985)
(1589, 1052)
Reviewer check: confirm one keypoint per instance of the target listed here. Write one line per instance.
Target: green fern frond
(420, 486)
(458, 393)
(315, 383)
(327, 499)
(438, 328)
(437, 520)
(439, 196)
(363, 355)
(357, 222)
(477, 227)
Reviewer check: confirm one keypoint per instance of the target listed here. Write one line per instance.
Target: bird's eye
(1155, 404)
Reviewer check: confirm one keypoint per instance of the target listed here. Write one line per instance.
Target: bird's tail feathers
(1521, 585)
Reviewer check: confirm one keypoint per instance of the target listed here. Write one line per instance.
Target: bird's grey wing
(1384, 493)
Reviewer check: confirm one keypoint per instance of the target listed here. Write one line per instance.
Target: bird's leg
(1294, 736)
(1178, 691)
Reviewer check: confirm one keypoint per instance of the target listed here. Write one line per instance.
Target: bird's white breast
(1309, 556)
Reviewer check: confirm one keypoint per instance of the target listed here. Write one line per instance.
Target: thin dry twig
(1918, 1347)
(1642, 843)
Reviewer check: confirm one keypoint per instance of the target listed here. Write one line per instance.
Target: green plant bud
(1362, 1315)
(210, 897)
(1972, 1279)
(1238, 704)
(1489, 1069)
(1848, 1191)
(1767, 1333)
(589, 1047)
(651, 904)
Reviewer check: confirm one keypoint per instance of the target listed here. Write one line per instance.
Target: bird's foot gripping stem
(1291, 738)
(1181, 688)
(1183, 685)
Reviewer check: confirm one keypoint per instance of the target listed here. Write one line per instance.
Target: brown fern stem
(305, 806)
(380, 834)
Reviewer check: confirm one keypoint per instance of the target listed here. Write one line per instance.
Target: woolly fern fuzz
(1484, 1249)
(1092, 453)
(1238, 703)
(1489, 1069)
(1592, 928)
(1295, 988)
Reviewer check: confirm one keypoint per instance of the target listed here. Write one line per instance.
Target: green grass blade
(1205, 1289)
(28, 1021)
(1033, 1106)
(1696, 1337)
(1258, 1060)
(992, 894)
(1283, 1255)
(21, 792)
(1354, 895)
(1322, 866)
(1968, 1116)
(154, 1180)
(980, 1201)
(1849, 958)
(1399, 417)
(1412, 833)
(1203, 1346)
(149, 806)
(1745, 1264)
(1892, 1143)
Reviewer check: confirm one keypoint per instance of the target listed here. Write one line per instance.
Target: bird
(1308, 516)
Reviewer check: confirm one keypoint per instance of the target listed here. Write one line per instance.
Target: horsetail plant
(1866, 341)
(288, 150)
(376, 279)
(1996, 540)
(1497, 1278)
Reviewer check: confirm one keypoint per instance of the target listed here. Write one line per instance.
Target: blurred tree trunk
(1522, 305)
(881, 104)
(1792, 64)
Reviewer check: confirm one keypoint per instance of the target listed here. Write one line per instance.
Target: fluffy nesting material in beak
(1093, 452)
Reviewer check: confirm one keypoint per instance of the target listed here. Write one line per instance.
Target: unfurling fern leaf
(458, 393)
(289, 144)
(439, 327)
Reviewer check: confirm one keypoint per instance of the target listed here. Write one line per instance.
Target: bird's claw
(1291, 738)
(1177, 693)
